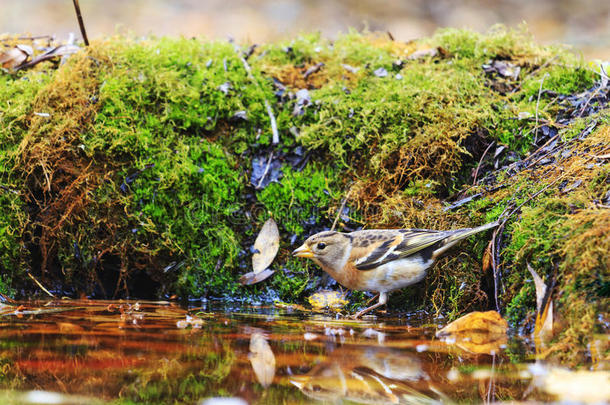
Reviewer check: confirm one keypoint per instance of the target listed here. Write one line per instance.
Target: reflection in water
(262, 359)
(162, 353)
(375, 375)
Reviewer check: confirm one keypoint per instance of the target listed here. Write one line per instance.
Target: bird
(381, 260)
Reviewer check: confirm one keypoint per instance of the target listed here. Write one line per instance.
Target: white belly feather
(398, 274)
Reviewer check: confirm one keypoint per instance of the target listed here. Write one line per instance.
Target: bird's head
(328, 249)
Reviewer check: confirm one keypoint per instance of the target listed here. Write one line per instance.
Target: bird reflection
(371, 375)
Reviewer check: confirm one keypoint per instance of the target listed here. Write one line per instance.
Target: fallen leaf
(544, 308)
(487, 257)
(489, 321)
(266, 246)
(327, 299)
(262, 359)
(381, 72)
(253, 278)
(477, 332)
(12, 58)
(424, 53)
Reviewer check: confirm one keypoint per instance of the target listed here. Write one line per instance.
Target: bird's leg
(383, 298)
(372, 299)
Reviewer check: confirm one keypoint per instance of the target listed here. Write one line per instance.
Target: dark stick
(476, 172)
(80, 22)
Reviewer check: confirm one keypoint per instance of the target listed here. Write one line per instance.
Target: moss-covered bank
(144, 168)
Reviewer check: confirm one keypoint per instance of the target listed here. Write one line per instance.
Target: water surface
(148, 352)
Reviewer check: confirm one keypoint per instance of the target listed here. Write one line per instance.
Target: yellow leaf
(490, 322)
(327, 299)
(477, 332)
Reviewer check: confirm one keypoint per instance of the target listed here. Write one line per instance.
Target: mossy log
(144, 167)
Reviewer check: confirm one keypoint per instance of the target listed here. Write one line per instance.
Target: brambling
(381, 260)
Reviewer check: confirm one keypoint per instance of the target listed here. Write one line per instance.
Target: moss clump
(137, 178)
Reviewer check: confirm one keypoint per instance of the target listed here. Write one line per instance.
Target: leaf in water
(477, 332)
(262, 359)
(266, 246)
(489, 321)
(253, 278)
(327, 299)
(13, 57)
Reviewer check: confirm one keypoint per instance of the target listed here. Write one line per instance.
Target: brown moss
(294, 76)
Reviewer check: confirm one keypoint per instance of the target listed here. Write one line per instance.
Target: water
(74, 351)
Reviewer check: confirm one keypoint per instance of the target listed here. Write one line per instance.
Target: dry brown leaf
(253, 278)
(540, 287)
(544, 314)
(487, 257)
(477, 332)
(490, 322)
(262, 359)
(266, 245)
(12, 58)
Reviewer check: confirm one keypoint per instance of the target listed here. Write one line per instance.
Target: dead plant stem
(537, 105)
(39, 284)
(81, 24)
(476, 172)
(332, 228)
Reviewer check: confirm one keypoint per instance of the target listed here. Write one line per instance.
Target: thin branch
(332, 228)
(260, 182)
(81, 24)
(39, 284)
(476, 172)
(537, 104)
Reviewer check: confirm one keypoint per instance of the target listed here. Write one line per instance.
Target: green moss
(300, 197)
(141, 172)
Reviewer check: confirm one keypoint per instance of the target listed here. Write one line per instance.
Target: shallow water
(162, 353)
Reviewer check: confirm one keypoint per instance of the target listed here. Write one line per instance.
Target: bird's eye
(321, 246)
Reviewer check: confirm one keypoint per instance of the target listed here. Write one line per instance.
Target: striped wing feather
(401, 244)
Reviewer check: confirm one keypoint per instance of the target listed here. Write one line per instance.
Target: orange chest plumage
(388, 277)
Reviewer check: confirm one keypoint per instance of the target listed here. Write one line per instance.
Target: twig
(332, 228)
(274, 131)
(593, 94)
(7, 189)
(476, 172)
(497, 234)
(32, 38)
(80, 22)
(260, 182)
(537, 104)
(40, 285)
(538, 150)
(536, 194)
(495, 256)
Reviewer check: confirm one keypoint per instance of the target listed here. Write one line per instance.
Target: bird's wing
(393, 246)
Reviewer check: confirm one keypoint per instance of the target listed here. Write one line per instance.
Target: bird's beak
(303, 251)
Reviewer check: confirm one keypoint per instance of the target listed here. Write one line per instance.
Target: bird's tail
(460, 234)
